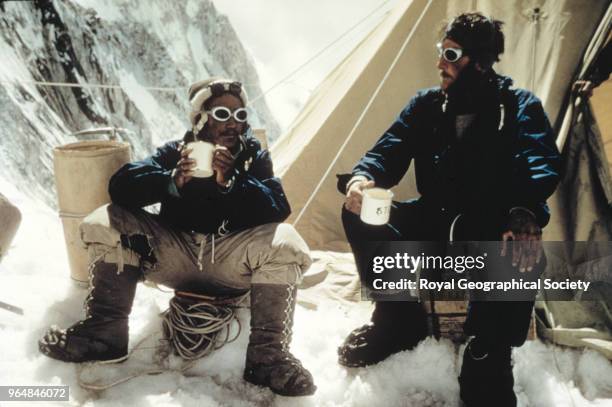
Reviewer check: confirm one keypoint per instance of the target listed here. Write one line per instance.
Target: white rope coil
(196, 326)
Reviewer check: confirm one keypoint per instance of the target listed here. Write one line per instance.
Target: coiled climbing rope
(193, 326)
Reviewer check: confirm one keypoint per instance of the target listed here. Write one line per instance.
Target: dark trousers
(498, 323)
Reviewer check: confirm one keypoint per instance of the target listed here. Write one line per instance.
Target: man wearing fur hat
(485, 163)
(220, 235)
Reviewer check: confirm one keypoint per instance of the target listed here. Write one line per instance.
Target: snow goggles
(219, 88)
(449, 54)
(223, 114)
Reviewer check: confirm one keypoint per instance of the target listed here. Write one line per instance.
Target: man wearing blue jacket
(217, 236)
(485, 161)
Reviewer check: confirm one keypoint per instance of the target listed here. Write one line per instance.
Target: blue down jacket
(255, 198)
(487, 169)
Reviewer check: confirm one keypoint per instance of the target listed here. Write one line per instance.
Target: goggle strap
(199, 125)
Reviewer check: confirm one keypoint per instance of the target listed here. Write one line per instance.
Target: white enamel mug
(203, 155)
(376, 206)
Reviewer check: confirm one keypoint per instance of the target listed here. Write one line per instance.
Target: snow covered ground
(34, 276)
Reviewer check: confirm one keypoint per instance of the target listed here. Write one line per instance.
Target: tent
(545, 43)
(549, 44)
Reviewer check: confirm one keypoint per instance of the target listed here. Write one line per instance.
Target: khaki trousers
(272, 253)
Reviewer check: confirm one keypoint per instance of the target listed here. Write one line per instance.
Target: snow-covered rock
(135, 45)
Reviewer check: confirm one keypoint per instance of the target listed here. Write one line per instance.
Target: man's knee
(288, 243)
(279, 256)
(96, 227)
(107, 223)
(285, 234)
(101, 233)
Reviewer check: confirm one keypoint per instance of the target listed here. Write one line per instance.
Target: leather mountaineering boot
(486, 376)
(103, 334)
(268, 360)
(396, 326)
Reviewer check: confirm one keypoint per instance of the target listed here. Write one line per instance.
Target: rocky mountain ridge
(132, 48)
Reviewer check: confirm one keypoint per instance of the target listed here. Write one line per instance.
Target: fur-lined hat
(201, 91)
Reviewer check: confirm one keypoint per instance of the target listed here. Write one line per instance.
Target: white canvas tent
(549, 44)
(545, 42)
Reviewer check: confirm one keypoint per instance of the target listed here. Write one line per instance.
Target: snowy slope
(34, 276)
(131, 44)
